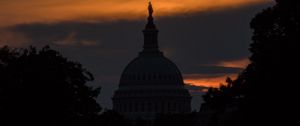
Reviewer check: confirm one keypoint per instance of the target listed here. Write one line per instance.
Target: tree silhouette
(262, 93)
(176, 120)
(41, 87)
(112, 118)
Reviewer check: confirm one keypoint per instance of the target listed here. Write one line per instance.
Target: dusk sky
(207, 39)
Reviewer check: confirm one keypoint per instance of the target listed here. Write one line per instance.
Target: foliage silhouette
(261, 94)
(112, 118)
(176, 120)
(41, 87)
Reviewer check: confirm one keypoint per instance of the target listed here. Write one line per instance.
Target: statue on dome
(150, 9)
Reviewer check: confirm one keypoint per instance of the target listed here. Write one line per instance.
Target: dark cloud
(212, 70)
(192, 42)
(196, 89)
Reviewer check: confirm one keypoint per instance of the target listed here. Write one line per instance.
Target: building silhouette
(151, 84)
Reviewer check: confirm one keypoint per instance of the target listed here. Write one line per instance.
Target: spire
(150, 23)
(150, 33)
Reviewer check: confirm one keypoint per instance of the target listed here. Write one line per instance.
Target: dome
(151, 84)
(151, 69)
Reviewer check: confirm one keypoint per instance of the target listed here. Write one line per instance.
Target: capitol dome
(151, 69)
(151, 84)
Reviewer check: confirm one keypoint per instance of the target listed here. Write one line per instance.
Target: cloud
(89, 43)
(68, 40)
(58, 34)
(196, 89)
(207, 80)
(211, 69)
(72, 40)
(14, 12)
(239, 63)
(215, 74)
(13, 38)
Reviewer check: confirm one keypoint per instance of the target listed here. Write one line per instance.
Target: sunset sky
(51, 11)
(207, 39)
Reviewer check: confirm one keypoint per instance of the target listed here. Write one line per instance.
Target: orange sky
(207, 81)
(14, 12)
(240, 63)
(215, 80)
(47, 11)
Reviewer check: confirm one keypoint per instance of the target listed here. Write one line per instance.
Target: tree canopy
(41, 87)
(262, 93)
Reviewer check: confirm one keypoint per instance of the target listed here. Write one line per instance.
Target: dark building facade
(151, 84)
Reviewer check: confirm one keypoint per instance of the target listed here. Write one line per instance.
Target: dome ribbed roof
(151, 69)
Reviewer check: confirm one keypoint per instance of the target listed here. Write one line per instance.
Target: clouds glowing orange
(207, 81)
(240, 63)
(216, 80)
(47, 11)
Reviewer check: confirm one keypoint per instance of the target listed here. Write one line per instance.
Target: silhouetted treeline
(264, 93)
(191, 119)
(111, 118)
(41, 87)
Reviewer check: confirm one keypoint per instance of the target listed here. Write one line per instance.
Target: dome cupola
(151, 84)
